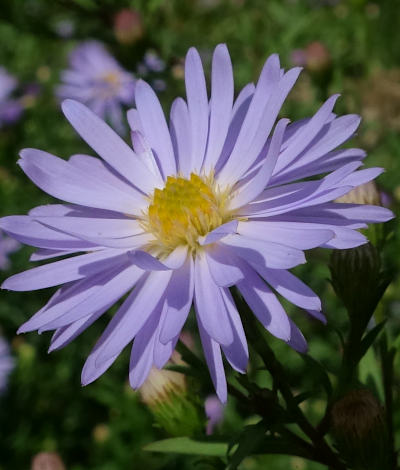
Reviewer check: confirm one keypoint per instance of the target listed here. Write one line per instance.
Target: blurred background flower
(128, 26)
(150, 68)
(7, 246)
(47, 461)
(107, 426)
(96, 79)
(214, 411)
(6, 363)
(10, 108)
(64, 28)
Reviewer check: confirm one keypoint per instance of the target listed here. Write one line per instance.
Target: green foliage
(105, 426)
(185, 445)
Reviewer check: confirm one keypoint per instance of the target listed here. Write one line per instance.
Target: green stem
(322, 450)
(387, 359)
(349, 370)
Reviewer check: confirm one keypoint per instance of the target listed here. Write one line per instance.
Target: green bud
(359, 430)
(165, 392)
(358, 282)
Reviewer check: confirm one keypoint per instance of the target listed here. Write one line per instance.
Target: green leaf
(369, 338)
(370, 373)
(319, 373)
(249, 441)
(86, 4)
(189, 357)
(303, 396)
(254, 440)
(185, 445)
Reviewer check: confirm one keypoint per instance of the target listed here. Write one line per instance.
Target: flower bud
(166, 394)
(357, 280)
(366, 193)
(47, 461)
(358, 427)
(356, 272)
(161, 384)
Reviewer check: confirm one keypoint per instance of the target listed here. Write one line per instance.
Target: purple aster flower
(6, 363)
(7, 246)
(216, 199)
(95, 78)
(10, 108)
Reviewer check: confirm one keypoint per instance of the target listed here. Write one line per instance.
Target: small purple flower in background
(6, 363)
(214, 411)
(158, 84)
(315, 57)
(64, 28)
(150, 66)
(96, 79)
(153, 62)
(7, 246)
(10, 108)
(216, 199)
(298, 57)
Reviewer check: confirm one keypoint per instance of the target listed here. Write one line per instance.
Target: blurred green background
(351, 47)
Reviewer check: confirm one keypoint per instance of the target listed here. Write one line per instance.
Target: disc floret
(186, 209)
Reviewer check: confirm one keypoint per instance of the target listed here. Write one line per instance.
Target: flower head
(6, 363)
(95, 78)
(214, 200)
(10, 108)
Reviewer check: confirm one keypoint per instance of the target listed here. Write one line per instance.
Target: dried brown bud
(359, 429)
(356, 414)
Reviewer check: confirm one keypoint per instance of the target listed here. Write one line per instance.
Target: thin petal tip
(24, 328)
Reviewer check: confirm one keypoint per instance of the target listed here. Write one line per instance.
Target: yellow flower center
(112, 78)
(185, 210)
